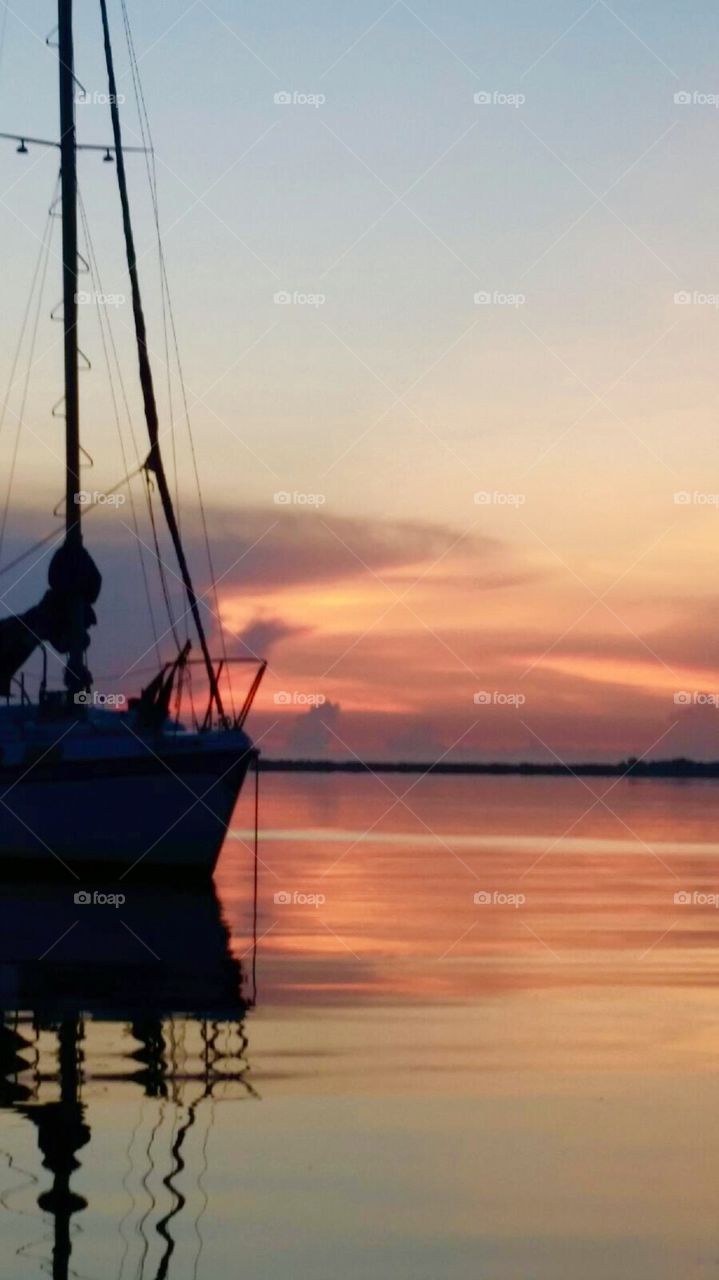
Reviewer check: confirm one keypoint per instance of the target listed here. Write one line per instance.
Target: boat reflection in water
(143, 996)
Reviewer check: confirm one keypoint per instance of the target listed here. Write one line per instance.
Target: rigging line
(191, 691)
(120, 379)
(162, 1226)
(45, 257)
(131, 475)
(245, 1058)
(104, 320)
(255, 878)
(195, 467)
(131, 1194)
(154, 459)
(151, 167)
(3, 32)
(201, 502)
(200, 1182)
(28, 306)
(178, 696)
(14, 1167)
(57, 533)
(117, 675)
(171, 417)
(160, 565)
(145, 1183)
(36, 546)
(128, 414)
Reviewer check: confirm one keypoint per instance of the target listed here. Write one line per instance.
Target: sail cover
(73, 577)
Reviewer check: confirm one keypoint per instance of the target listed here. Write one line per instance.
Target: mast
(75, 676)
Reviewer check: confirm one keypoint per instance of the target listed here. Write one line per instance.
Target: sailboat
(85, 787)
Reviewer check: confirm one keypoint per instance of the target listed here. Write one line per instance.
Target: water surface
(375, 1074)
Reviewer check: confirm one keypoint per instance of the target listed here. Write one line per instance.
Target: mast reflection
(157, 973)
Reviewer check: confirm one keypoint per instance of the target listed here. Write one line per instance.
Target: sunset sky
(579, 401)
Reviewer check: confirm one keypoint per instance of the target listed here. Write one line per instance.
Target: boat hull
(116, 817)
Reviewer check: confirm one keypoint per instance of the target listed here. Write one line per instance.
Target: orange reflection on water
(455, 886)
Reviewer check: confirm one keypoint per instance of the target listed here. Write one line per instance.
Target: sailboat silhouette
(81, 784)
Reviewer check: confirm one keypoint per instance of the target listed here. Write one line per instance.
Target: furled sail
(73, 578)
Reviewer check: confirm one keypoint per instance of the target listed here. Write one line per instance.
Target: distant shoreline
(679, 768)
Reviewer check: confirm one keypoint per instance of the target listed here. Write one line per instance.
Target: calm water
(397, 1080)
